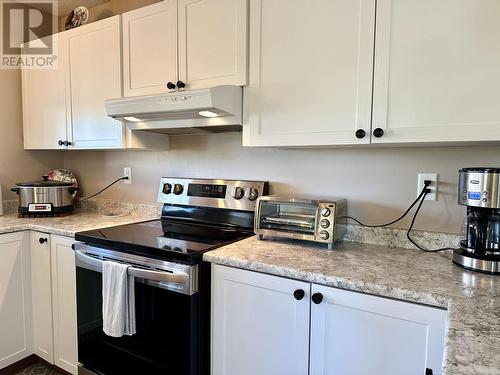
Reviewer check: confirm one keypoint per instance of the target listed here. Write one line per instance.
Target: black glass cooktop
(163, 239)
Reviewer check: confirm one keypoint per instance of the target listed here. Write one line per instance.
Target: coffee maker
(479, 191)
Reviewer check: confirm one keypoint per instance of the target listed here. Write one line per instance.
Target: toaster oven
(301, 218)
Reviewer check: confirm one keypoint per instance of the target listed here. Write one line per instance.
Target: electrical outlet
(127, 172)
(433, 177)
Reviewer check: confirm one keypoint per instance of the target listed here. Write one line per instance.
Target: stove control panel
(230, 194)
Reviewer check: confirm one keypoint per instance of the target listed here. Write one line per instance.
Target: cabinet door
(212, 42)
(64, 303)
(358, 334)
(150, 48)
(436, 71)
(41, 295)
(258, 327)
(311, 67)
(95, 73)
(16, 340)
(45, 101)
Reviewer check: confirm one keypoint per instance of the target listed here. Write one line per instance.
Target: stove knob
(324, 223)
(324, 235)
(178, 189)
(167, 188)
(325, 212)
(238, 192)
(252, 194)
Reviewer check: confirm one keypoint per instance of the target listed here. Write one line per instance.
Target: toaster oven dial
(238, 192)
(252, 194)
(178, 189)
(324, 235)
(324, 223)
(326, 212)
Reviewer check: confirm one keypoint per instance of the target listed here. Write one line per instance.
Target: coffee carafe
(479, 190)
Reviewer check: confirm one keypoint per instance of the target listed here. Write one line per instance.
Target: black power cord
(420, 200)
(426, 191)
(104, 189)
(422, 194)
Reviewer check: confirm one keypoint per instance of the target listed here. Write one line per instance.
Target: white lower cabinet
(260, 325)
(16, 340)
(41, 286)
(64, 303)
(358, 334)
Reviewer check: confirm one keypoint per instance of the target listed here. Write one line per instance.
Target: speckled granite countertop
(472, 299)
(69, 225)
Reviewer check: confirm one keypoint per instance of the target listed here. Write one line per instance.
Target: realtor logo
(26, 26)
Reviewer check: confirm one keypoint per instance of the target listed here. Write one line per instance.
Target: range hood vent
(214, 110)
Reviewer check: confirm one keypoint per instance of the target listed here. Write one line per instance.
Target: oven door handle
(94, 264)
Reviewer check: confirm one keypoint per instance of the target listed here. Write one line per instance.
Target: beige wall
(378, 182)
(108, 9)
(16, 164)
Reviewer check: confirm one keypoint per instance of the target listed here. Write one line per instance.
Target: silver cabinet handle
(96, 265)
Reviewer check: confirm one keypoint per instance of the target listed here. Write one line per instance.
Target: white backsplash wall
(379, 183)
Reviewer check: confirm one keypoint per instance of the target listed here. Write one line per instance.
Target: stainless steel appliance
(479, 191)
(45, 197)
(301, 218)
(211, 110)
(172, 283)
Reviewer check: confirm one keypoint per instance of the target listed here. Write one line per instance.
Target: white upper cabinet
(212, 42)
(202, 43)
(358, 334)
(150, 48)
(310, 78)
(95, 74)
(437, 76)
(45, 107)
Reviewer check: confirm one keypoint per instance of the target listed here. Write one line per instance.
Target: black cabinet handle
(60, 143)
(428, 371)
(170, 85)
(181, 84)
(42, 240)
(378, 132)
(317, 298)
(360, 133)
(299, 294)
(69, 143)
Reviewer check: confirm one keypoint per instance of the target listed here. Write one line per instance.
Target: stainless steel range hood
(213, 110)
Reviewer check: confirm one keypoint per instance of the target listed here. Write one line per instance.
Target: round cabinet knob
(60, 143)
(167, 188)
(42, 240)
(178, 189)
(69, 143)
(181, 84)
(170, 85)
(428, 371)
(324, 235)
(360, 133)
(238, 192)
(252, 194)
(299, 294)
(324, 224)
(317, 298)
(326, 212)
(378, 132)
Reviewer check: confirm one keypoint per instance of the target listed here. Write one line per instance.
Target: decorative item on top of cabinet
(309, 85)
(436, 71)
(185, 44)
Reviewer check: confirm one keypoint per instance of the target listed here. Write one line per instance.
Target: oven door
(167, 318)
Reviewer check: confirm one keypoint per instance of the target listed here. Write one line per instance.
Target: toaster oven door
(288, 217)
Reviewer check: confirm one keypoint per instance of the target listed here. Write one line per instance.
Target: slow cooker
(45, 197)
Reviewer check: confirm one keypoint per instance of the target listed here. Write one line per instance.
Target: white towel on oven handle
(118, 300)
